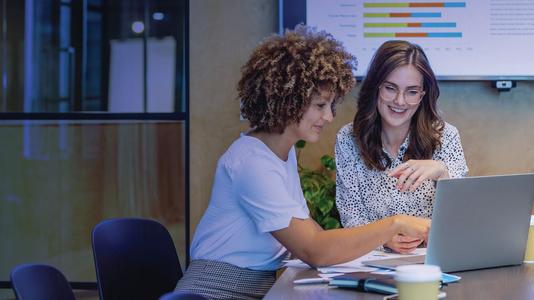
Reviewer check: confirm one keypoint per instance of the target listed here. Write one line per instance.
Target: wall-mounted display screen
(465, 40)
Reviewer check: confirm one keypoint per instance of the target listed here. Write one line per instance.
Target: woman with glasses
(389, 159)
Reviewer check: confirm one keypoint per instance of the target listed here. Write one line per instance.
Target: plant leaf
(300, 144)
(330, 223)
(328, 162)
(325, 205)
(319, 189)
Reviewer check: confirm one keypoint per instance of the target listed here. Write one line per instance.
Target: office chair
(182, 296)
(40, 282)
(134, 259)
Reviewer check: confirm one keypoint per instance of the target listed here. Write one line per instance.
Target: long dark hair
(426, 124)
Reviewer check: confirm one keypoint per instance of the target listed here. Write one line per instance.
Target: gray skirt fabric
(220, 280)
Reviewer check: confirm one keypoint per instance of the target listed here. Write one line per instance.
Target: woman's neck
(279, 144)
(392, 139)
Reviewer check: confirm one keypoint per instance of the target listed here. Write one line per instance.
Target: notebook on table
(477, 222)
(376, 283)
(366, 282)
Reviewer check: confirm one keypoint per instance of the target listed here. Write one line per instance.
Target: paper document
(356, 264)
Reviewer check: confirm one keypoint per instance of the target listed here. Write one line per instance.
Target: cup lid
(417, 273)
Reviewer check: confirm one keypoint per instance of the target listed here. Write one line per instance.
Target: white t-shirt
(254, 193)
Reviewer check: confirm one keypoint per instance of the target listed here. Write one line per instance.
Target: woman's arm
(448, 162)
(452, 154)
(309, 242)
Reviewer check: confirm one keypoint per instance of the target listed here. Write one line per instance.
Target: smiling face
(316, 116)
(397, 113)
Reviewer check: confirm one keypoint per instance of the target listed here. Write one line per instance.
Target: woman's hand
(412, 173)
(403, 244)
(411, 228)
(412, 231)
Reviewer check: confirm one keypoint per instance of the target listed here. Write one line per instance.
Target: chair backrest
(182, 296)
(40, 282)
(134, 259)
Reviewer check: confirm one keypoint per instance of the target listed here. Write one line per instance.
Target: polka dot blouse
(364, 195)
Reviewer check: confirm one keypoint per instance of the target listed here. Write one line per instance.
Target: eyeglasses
(390, 92)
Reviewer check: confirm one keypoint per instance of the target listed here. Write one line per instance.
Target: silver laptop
(477, 222)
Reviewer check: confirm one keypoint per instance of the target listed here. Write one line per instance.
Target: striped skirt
(220, 280)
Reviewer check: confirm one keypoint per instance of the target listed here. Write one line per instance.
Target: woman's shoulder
(345, 136)
(345, 132)
(250, 153)
(345, 140)
(240, 147)
(246, 147)
(449, 131)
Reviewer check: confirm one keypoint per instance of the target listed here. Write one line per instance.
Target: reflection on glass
(65, 178)
(70, 56)
(126, 75)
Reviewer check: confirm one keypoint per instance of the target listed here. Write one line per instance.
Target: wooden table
(507, 283)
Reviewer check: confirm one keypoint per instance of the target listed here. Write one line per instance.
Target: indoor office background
(494, 127)
(93, 124)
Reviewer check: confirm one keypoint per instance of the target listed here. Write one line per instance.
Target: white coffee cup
(529, 251)
(418, 282)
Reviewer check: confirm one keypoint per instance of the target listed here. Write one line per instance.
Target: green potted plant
(319, 188)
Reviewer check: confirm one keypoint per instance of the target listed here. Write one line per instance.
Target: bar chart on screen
(405, 19)
(471, 33)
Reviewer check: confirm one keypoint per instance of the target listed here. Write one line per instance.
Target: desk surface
(516, 282)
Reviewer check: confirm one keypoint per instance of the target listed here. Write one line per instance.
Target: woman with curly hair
(257, 212)
(390, 157)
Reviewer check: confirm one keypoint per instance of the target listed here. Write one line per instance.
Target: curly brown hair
(426, 124)
(283, 73)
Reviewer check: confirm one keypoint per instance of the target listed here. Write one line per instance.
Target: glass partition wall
(93, 56)
(94, 124)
